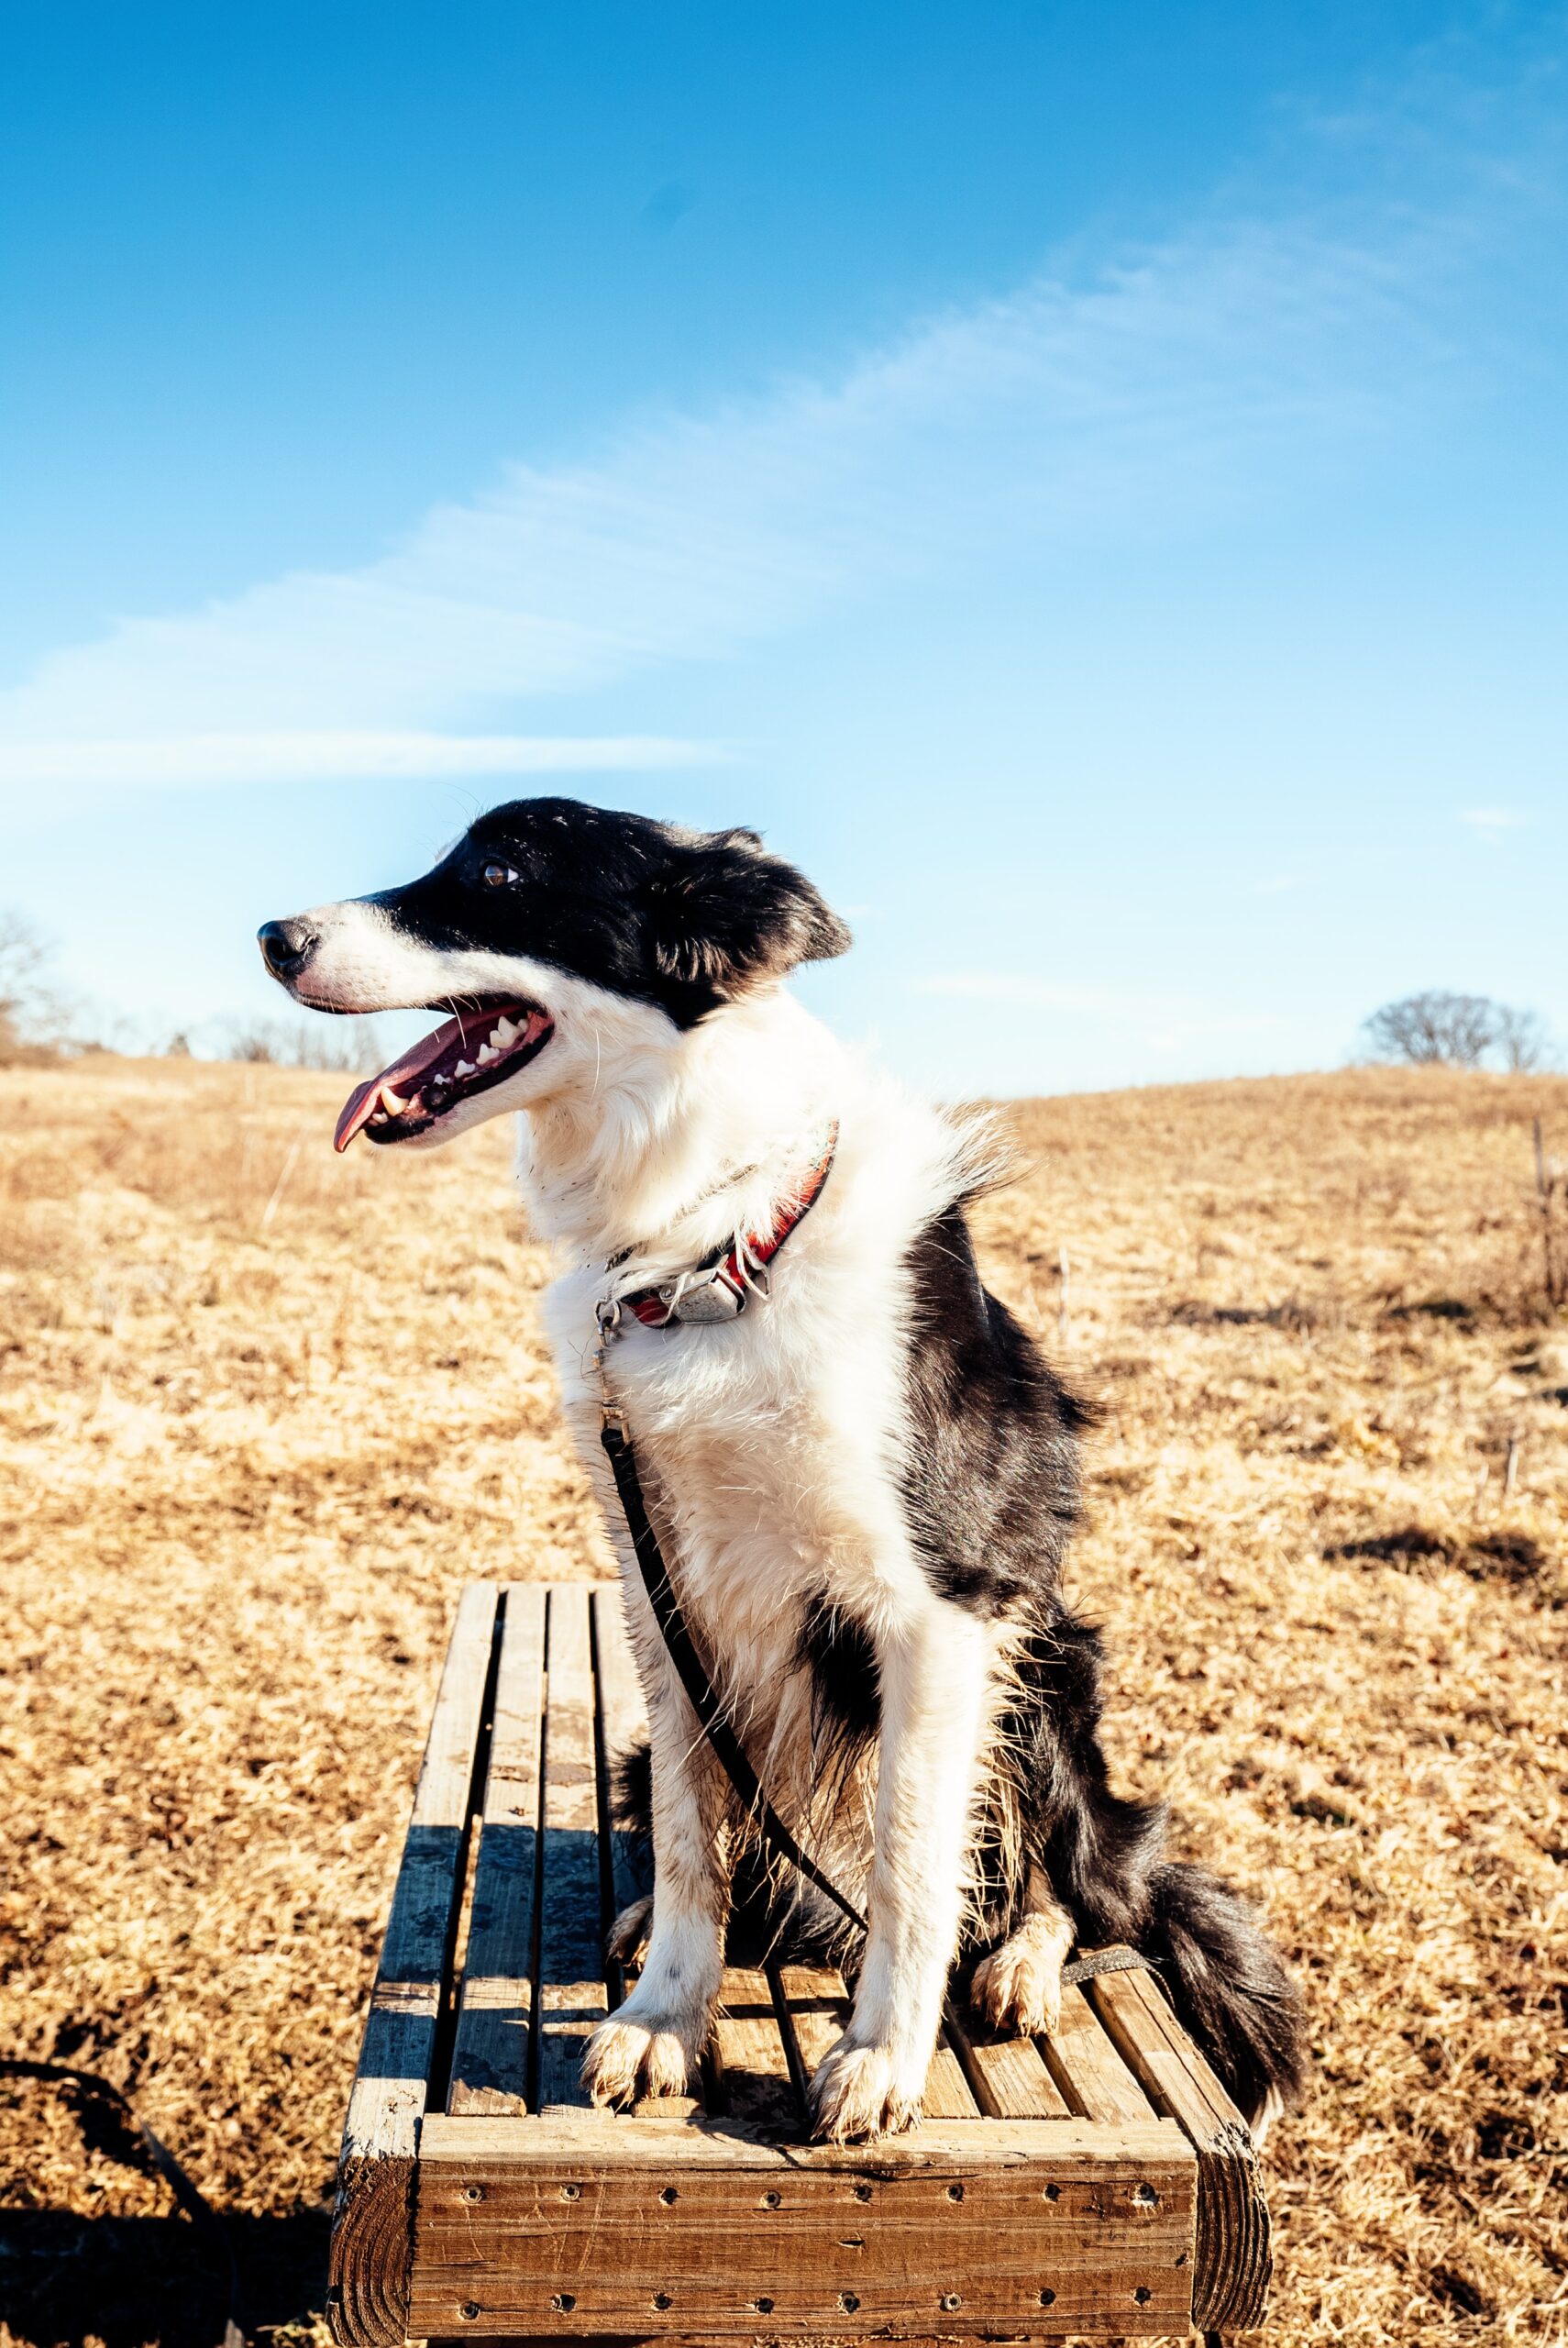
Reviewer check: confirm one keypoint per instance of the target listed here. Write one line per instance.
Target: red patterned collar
(723, 1284)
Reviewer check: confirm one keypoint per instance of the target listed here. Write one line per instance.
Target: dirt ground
(262, 1413)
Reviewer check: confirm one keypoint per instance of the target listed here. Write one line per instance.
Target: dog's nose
(287, 946)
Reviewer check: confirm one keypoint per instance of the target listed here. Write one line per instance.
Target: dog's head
(548, 931)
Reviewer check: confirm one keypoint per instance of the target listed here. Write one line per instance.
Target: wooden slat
(816, 2007)
(750, 2059)
(572, 1997)
(373, 2221)
(663, 2230)
(1232, 2262)
(490, 2057)
(390, 2088)
(947, 2092)
(1087, 2068)
(623, 1717)
(1009, 2076)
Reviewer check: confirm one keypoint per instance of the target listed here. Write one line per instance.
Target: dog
(862, 1473)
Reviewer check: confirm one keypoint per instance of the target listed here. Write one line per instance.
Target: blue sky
(1087, 481)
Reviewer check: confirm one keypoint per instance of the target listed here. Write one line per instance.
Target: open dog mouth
(467, 1054)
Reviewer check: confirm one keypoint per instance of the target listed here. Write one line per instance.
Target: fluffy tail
(1229, 1985)
(1103, 1857)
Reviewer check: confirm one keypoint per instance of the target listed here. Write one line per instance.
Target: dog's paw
(629, 1931)
(627, 2058)
(1019, 1986)
(860, 2091)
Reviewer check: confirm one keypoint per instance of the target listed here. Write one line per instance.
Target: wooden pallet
(1098, 2182)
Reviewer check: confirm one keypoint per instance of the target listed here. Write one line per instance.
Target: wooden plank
(368, 2282)
(1008, 2074)
(751, 2064)
(816, 2007)
(490, 2055)
(575, 2227)
(941, 2149)
(573, 1996)
(947, 2091)
(1232, 2263)
(1086, 2068)
(622, 1722)
(390, 2088)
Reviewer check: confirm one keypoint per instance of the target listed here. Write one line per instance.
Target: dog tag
(708, 1299)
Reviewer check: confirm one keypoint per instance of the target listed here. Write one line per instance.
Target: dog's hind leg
(630, 1929)
(1019, 1986)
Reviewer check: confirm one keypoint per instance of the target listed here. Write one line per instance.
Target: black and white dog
(862, 1482)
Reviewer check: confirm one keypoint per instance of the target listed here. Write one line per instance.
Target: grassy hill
(263, 1412)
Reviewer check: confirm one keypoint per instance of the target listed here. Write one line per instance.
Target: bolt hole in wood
(669, 2195)
(950, 2303)
(1047, 2299)
(662, 2302)
(1051, 2193)
(571, 2193)
(1142, 2295)
(762, 2307)
(771, 2200)
(473, 2193)
(469, 2310)
(564, 2302)
(955, 2193)
(863, 2193)
(848, 2303)
(1145, 2198)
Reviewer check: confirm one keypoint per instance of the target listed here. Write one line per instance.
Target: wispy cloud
(1140, 393)
(319, 756)
(1493, 822)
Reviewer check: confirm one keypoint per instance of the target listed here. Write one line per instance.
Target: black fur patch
(991, 1482)
(686, 920)
(846, 1699)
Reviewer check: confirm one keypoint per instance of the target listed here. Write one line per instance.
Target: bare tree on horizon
(1437, 1028)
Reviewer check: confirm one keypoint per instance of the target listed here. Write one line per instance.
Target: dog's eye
(497, 876)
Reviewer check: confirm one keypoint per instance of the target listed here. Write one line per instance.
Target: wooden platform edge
(1233, 2261)
(371, 2258)
(370, 2263)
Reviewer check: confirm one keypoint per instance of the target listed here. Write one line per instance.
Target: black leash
(730, 1752)
(688, 1666)
(188, 2194)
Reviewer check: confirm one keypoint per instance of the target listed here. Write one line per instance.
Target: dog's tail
(1228, 1985)
(1103, 1857)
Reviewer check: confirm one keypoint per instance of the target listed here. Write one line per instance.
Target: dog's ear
(727, 916)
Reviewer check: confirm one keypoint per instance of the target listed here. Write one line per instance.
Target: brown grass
(262, 1413)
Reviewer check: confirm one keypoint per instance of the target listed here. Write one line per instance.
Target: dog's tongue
(361, 1103)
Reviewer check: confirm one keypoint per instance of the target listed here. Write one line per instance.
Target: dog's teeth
(378, 1117)
(392, 1101)
(503, 1033)
(464, 1068)
(486, 1054)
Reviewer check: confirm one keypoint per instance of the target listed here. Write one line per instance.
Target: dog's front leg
(933, 1671)
(652, 2043)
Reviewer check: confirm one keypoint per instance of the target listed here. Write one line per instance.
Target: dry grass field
(262, 1413)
